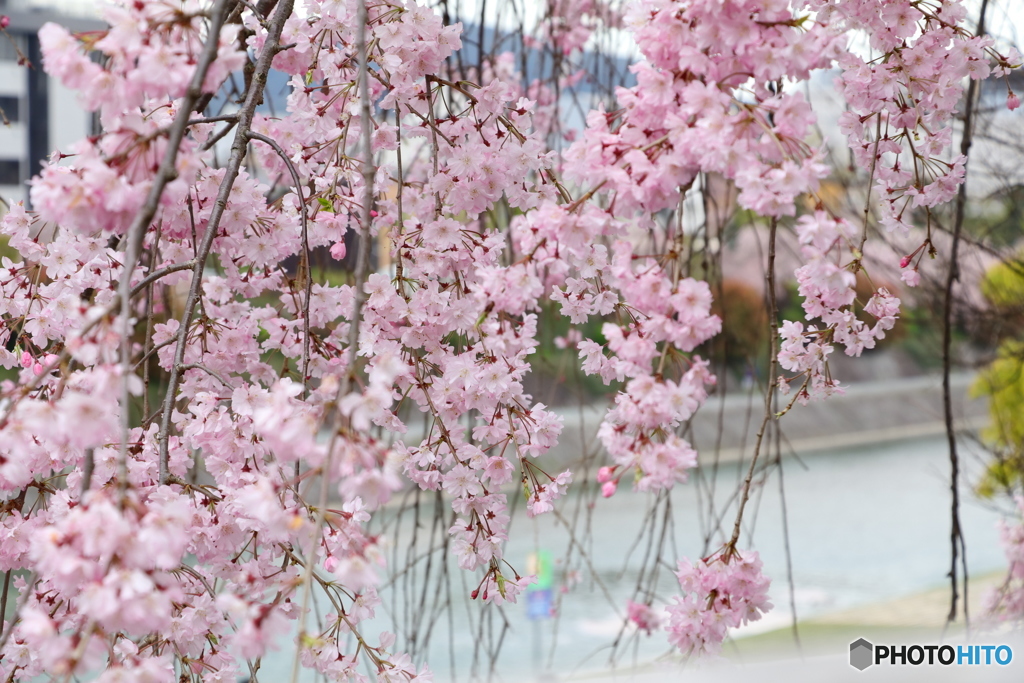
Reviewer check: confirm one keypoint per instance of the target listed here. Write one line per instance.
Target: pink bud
(26, 359)
(338, 251)
(1012, 102)
(608, 489)
(374, 214)
(604, 475)
(5, 21)
(37, 369)
(331, 563)
(904, 262)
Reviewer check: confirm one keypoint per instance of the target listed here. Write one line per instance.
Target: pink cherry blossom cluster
(827, 286)
(902, 98)
(568, 24)
(665, 319)
(452, 331)
(707, 100)
(1006, 602)
(148, 58)
(149, 54)
(182, 538)
(461, 323)
(644, 616)
(113, 585)
(724, 591)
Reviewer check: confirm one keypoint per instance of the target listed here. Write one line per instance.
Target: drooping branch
(359, 299)
(238, 150)
(136, 232)
(769, 394)
(958, 548)
(304, 216)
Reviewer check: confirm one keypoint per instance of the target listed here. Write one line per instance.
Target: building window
(10, 171)
(11, 107)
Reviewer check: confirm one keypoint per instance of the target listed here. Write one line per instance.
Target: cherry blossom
(1006, 602)
(174, 250)
(721, 592)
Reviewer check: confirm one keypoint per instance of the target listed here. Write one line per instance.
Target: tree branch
(956, 536)
(238, 150)
(308, 286)
(136, 232)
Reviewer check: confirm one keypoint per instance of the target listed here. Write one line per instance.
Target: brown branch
(238, 150)
(362, 267)
(308, 287)
(22, 600)
(956, 536)
(137, 231)
(163, 272)
(769, 393)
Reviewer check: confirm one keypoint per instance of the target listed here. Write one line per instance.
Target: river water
(864, 525)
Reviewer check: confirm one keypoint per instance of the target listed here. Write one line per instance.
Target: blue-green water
(864, 525)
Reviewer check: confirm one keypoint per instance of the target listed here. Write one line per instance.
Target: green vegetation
(1002, 382)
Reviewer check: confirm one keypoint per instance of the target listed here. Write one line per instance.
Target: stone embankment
(867, 413)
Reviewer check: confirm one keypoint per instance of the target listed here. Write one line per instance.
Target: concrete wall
(868, 413)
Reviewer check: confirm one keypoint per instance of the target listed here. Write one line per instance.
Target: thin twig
(166, 173)
(147, 338)
(163, 272)
(956, 536)
(769, 393)
(304, 214)
(238, 150)
(214, 119)
(211, 373)
(22, 600)
(362, 267)
(87, 469)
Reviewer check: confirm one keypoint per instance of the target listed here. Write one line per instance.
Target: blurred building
(42, 115)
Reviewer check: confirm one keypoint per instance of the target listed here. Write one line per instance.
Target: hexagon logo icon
(861, 654)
